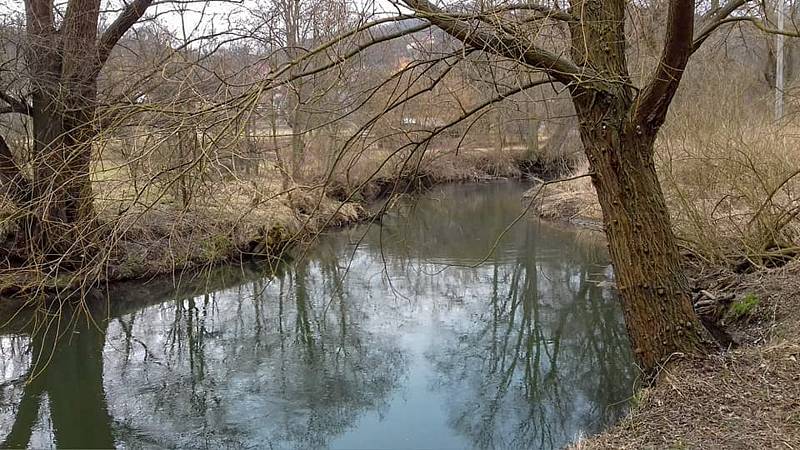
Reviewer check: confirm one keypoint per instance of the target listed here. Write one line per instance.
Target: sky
(191, 18)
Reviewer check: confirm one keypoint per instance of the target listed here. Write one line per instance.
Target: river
(413, 334)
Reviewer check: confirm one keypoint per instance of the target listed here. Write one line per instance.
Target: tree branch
(758, 23)
(559, 68)
(715, 19)
(654, 100)
(127, 18)
(14, 105)
(543, 11)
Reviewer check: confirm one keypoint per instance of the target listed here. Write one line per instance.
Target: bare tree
(581, 47)
(618, 124)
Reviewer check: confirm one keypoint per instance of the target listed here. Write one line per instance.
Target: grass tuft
(743, 307)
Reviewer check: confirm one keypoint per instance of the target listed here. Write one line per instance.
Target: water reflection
(395, 342)
(72, 385)
(532, 368)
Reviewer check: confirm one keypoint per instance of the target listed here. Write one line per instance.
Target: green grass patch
(743, 307)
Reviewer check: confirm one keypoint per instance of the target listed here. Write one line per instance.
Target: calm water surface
(381, 337)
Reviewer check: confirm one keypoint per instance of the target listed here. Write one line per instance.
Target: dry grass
(732, 192)
(736, 188)
(573, 201)
(442, 163)
(746, 399)
(149, 232)
(148, 228)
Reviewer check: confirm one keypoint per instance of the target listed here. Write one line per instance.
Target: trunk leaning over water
(618, 129)
(650, 279)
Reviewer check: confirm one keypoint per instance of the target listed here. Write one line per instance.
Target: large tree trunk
(63, 63)
(618, 129)
(650, 279)
(62, 209)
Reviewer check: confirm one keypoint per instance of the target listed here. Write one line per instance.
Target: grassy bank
(147, 232)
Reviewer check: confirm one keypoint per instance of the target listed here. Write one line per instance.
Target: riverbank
(743, 397)
(740, 396)
(244, 221)
(348, 338)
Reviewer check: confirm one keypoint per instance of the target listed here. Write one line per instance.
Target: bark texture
(618, 130)
(651, 282)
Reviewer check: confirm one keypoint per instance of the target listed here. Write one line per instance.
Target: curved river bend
(381, 337)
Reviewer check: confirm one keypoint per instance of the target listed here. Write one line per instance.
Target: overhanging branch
(653, 101)
(715, 19)
(758, 23)
(560, 69)
(127, 18)
(542, 11)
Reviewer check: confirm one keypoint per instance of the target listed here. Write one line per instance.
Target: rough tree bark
(618, 130)
(650, 280)
(62, 61)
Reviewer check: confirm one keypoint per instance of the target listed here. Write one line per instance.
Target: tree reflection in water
(540, 353)
(346, 347)
(547, 356)
(265, 363)
(72, 385)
